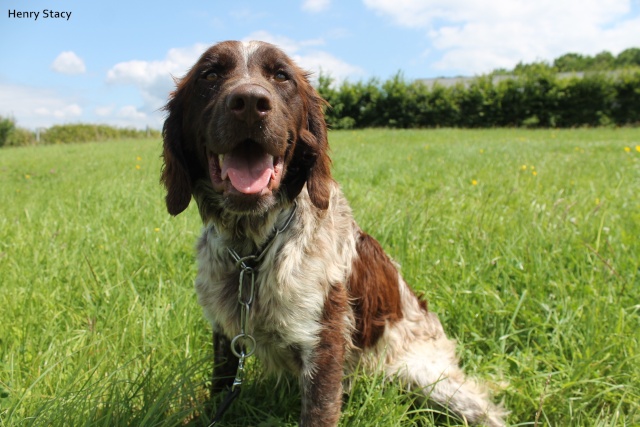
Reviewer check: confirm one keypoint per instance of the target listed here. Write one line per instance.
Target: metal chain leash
(239, 346)
(243, 345)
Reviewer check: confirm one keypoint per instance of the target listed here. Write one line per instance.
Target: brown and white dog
(245, 136)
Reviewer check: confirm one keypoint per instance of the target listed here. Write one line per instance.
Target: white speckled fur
(293, 280)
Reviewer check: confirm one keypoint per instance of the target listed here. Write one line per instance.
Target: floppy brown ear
(319, 180)
(311, 156)
(175, 175)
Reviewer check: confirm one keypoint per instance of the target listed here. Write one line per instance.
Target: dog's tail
(428, 365)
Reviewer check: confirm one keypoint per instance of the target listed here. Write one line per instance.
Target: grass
(526, 243)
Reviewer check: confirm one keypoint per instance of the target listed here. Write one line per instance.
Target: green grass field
(526, 243)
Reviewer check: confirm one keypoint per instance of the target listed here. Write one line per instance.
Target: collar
(256, 258)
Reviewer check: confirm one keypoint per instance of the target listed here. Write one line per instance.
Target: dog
(285, 272)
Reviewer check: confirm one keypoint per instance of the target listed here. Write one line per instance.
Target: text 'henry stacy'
(46, 13)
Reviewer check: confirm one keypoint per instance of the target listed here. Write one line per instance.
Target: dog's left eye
(211, 76)
(280, 77)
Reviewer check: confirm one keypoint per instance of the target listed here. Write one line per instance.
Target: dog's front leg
(322, 391)
(225, 364)
(322, 373)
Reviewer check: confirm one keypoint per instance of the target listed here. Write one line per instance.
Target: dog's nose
(249, 102)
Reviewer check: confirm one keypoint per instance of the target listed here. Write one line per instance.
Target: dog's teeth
(220, 159)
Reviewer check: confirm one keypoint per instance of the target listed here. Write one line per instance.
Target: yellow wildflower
(138, 167)
(523, 167)
(474, 182)
(535, 173)
(138, 158)
(156, 229)
(27, 176)
(627, 149)
(638, 148)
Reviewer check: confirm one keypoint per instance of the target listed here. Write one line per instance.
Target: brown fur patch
(374, 291)
(322, 393)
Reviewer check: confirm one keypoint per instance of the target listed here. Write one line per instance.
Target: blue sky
(112, 61)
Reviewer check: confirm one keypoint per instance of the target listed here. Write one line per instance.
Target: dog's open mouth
(249, 169)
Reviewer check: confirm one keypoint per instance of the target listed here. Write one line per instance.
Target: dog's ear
(175, 175)
(311, 162)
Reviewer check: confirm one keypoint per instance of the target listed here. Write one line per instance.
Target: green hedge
(537, 97)
(11, 135)
(61, 134)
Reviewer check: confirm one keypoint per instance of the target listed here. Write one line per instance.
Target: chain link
(243, 345)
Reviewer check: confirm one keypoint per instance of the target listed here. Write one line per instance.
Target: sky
(114, 61)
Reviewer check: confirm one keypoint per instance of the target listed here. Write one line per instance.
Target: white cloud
(325, 63)
(307, 55)
(128, 116)
(315, 6)
(154, 78)
(68, 63)
(65, 112)
(476, 37)
(131, 113)
(37, 107)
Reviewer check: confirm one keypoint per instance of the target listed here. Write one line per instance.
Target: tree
(603, 61)
(570, 62)
(7, 125)
(628, 58)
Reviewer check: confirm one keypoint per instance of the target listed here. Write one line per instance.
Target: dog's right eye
(280, 77)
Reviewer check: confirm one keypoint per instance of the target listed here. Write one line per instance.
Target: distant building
(452, 81)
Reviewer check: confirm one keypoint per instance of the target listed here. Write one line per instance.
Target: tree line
(531, 95)
(574, 62)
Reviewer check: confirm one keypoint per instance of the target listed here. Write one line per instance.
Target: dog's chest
(284, 310)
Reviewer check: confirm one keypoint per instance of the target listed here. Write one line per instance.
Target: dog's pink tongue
(248, 174)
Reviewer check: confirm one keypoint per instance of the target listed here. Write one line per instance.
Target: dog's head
(245, 121)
